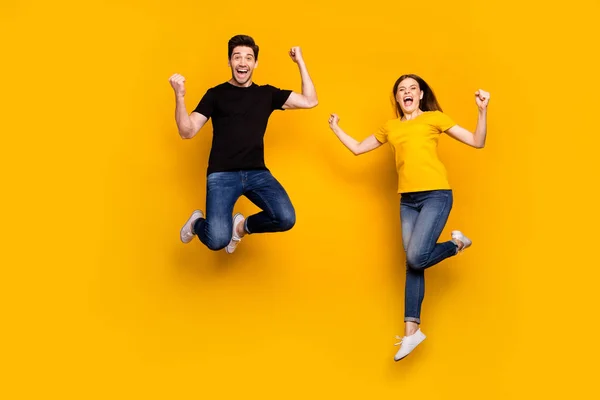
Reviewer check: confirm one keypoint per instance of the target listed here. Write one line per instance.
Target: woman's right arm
(356, 147)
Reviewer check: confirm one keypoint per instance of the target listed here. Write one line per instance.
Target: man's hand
(178, 84)
(296, 54)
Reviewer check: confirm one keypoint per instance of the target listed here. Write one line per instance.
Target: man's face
(242, 64)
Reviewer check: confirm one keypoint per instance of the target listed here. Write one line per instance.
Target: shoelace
(400, 340)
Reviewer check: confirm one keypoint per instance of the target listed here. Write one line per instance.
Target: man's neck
(235, 83)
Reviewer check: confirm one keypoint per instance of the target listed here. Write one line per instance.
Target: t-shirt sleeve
(381, 134)
(278, 97)
(206, 104)
(443, 121)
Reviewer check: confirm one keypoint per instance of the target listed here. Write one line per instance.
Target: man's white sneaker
(235, 239)
(458, 235)
(186, 233)
(408, 344)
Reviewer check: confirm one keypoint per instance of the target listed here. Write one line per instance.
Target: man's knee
(287, 218)
(218, 238)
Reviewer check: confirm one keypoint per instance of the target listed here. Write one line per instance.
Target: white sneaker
(408, 344)
(235, 239)
(186, 233)
(458, 235)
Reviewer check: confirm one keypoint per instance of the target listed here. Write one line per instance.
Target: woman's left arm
(476, 139)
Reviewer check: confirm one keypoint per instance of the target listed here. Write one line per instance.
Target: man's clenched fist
(178, 84)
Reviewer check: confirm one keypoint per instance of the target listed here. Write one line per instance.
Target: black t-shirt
(239, 117)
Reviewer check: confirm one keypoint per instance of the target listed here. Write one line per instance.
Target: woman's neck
(412, 115)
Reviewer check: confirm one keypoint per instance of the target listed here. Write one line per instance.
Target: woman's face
(409, 95)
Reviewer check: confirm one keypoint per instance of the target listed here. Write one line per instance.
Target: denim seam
(443, 209)
(440, 257)
(409, 206)
(270, 209)
(419, 288)
(267, 204)
(413, 207)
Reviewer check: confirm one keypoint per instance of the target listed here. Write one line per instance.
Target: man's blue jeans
(223, 189)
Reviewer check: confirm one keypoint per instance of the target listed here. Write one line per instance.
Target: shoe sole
(184, 225)
(232, 229)
(401, 358)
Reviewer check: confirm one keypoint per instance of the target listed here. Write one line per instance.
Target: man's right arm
(187, 124)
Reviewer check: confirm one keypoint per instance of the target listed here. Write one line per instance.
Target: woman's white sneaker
(408, 344)
(458, 235)
(186, 233)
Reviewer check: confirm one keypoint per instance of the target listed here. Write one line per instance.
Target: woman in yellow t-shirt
(425, 194)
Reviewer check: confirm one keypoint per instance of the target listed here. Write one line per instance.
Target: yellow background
(101, 300)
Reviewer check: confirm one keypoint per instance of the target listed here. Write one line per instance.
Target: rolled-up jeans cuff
(412, 319)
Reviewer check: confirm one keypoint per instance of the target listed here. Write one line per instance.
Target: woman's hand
(333, 121)
(482, 98)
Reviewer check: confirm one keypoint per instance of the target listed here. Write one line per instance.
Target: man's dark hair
(242, 40)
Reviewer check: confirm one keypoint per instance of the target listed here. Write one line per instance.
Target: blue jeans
(423, 216)
(223, 189)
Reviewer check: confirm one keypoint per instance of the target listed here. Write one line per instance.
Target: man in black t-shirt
(240, 110)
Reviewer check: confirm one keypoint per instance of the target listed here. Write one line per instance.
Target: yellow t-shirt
(414, 144)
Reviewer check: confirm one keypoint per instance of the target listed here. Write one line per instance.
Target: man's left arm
(308, 97)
